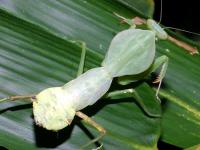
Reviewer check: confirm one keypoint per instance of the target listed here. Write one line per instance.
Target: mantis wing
(131, 52)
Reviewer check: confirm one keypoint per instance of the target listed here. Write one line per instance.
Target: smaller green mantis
(131, 52)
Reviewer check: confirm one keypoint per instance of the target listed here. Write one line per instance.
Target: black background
(183, 14)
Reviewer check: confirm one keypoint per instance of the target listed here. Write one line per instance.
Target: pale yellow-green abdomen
(51, 109)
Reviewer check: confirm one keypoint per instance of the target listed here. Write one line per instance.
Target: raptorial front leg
(125, 20)
(91, 122)
(162, 60)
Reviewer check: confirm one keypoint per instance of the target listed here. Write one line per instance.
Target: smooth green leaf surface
(37, 56)
(181, 106)
(146, 97)
(144, 8)
(88, 20)
(196, 147)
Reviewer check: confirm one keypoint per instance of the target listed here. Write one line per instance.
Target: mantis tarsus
(131, 52)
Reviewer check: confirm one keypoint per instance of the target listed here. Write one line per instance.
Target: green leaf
(71, 19)
(146, 97)
(181, 107)
(144, 8)
(196, 147)
(34, 58)
(36, 55)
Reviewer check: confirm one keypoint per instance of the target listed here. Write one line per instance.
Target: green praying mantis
(131, 52)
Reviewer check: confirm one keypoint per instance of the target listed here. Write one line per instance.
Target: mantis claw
(157, 80)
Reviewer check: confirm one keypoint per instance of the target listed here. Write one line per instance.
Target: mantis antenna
(173, 28)
(161, 11)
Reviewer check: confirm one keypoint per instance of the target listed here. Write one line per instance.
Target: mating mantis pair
(131, 52)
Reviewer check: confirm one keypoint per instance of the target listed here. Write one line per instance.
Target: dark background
(183, 14)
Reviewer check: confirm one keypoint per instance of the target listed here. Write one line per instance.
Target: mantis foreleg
(162, 60)
(128, 21)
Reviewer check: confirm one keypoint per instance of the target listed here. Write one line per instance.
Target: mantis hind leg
(162, 60)
(91, 122)
(14, 98)
(82, 60)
